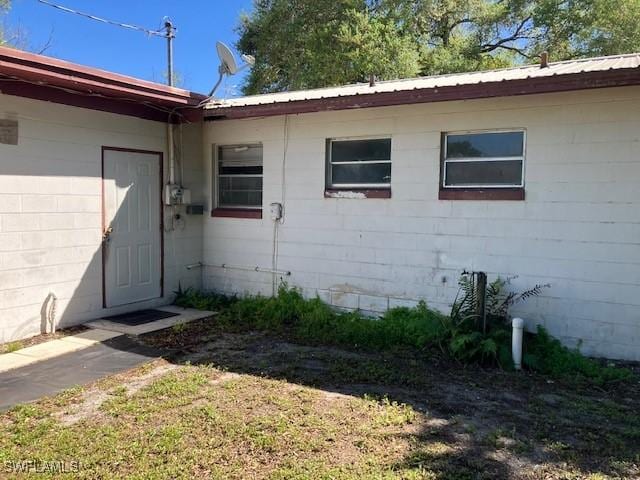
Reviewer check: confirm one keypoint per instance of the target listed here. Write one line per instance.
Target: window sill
(481, 194)
(237, 212)
(357, 193)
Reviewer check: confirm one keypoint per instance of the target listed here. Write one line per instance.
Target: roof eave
(30, 75)
(504, 88)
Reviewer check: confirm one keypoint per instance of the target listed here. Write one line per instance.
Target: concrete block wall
(50, 211)
(578, 228)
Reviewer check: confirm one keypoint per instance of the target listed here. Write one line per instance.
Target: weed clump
(314, 322)
(192, 298)
(545, 354)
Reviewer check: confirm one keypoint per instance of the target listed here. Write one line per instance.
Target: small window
(483, 160)
(359, 164)
(239, 177)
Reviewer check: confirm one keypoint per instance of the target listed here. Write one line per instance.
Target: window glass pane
(505, 172)
(240, 181)
(375, 173)
(360, 150)
(234, 156)
(240, 192)
(498, 144)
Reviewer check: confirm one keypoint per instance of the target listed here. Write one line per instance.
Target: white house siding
(50, 211)
(578, 229)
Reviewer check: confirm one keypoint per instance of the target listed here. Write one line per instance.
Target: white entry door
(131, 247)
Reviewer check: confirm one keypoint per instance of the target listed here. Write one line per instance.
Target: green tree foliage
(309, 43)
(316, 43)
(4, 6)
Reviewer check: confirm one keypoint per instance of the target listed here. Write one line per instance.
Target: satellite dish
(228, 62)
(228, 65)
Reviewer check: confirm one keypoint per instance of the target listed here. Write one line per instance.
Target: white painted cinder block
(578, 229)
(50, 212)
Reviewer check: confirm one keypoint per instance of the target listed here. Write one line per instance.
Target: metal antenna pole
(170, 36)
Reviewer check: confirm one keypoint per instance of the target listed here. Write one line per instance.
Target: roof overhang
(44, 78)
(503, 88)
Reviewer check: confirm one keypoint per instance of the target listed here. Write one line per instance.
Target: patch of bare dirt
(89, 402)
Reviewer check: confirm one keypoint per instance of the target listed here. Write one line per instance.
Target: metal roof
(526, 72)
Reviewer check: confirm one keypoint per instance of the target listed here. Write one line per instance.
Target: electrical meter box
(175, 194)
(276, 211)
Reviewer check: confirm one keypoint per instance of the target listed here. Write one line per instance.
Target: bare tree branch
(47, 44)
(517, 35)
(514, 49)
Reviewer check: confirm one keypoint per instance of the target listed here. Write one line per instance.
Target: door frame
(103, 213)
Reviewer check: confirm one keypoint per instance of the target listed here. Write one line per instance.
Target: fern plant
(498, 300)
(478, 325)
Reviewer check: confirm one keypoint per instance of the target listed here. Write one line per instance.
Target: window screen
(239, 173)
(359, 163)
(487, 159)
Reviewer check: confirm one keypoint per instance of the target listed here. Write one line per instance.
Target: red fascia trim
(55, 64)
(237, 212)
(481, 194)
(41, 69)
(44, 78)
(505, 88)
(111, 105)
(367, 192)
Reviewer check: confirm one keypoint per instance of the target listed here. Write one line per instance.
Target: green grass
(11, 347)
(318, 412)
(182, 426)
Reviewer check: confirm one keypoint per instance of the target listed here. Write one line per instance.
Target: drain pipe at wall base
(247, 268)
(516, 342)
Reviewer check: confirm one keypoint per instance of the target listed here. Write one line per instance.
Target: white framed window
(483, 159)
(359, 163)
(238, 176)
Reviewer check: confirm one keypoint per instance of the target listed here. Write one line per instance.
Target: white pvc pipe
(172, 167)
(516, 342)
(250, 269)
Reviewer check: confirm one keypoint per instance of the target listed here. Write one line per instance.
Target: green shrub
(479, 326)
(191, 298)
(313, 321)
(547, 355)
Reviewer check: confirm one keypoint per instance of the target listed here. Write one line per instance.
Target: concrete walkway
(100, 330)
(184, 315)
(50, 367)
(48, 377)
(53, 348)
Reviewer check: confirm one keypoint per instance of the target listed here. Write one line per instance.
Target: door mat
(140, 317)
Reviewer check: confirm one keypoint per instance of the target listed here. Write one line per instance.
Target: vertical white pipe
(516, 342)
(172, 172)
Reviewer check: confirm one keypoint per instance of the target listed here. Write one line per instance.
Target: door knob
(107, 233)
